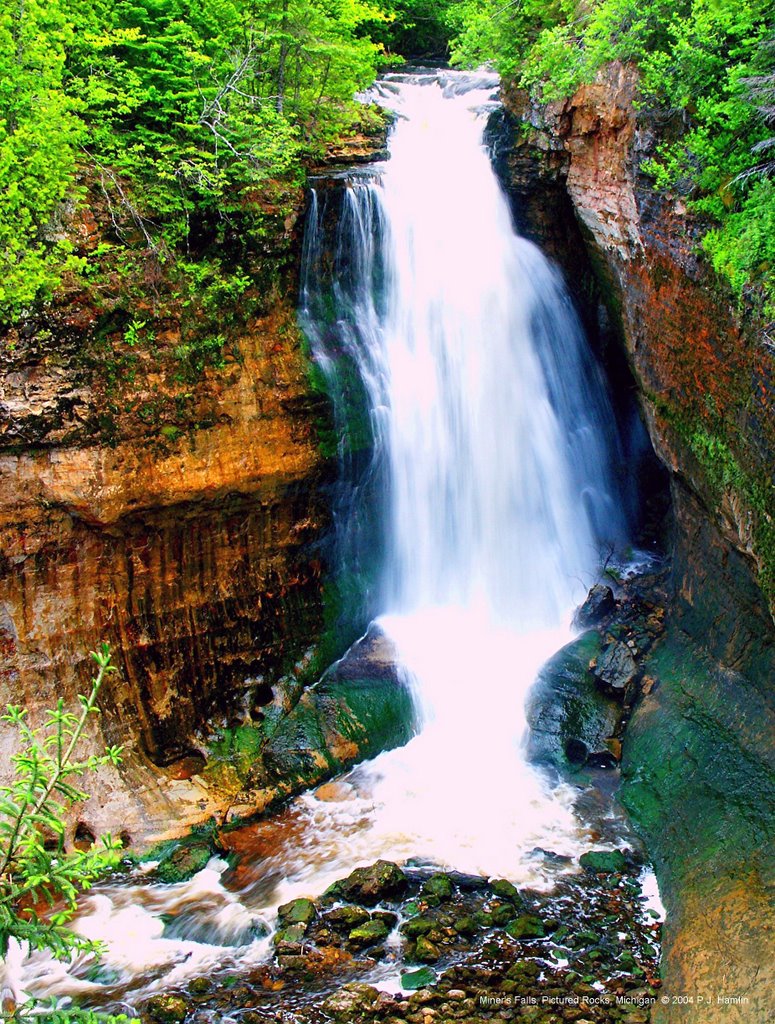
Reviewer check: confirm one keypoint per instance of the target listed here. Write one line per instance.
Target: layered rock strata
(698, 754)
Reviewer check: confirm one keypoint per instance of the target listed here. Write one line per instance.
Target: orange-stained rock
(187, 549)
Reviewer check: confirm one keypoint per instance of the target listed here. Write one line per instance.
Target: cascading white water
(494, 442)
(488, 493)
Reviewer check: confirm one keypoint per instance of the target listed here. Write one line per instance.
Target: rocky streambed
(389, 944)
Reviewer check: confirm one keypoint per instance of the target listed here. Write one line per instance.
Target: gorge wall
(173, 514)
(699, 756)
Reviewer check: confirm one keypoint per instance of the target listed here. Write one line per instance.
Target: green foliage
(414, 28)
(184, 120)
(743, 248)
(35, 866)
(39, 134)
(707, 63)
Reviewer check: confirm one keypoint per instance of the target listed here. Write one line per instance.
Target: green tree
(40, 132)
(35, 864)
(700, 60)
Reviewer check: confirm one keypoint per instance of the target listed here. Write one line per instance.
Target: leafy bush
(708, 64)
(35, 864)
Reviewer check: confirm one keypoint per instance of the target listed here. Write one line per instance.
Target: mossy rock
(568, 716)
(526, 926)
(381, 880)
(368, 934)
(426, 951)
(293, 934)
(300, 911)
(503, 914)
(524, 971)
(418, 926)
(699, 783)
(506, 890)
(466, 925)
(358, 709)
(351, 1002)
(603, 861)
(183, 862)
(166, 1009)
(346, 918)
(438, 887)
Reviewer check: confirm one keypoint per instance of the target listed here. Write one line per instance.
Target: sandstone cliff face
(698, 758)
(174, 516)
(705, 379)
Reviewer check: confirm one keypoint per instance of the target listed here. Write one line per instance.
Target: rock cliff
(698, 756)
(169, 509)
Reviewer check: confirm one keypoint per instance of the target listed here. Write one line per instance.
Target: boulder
(603, 861)
(359, 708)
(598, 605)
(382, 880)
(568, 715)
(438, 887)
(184, 861)
(616, 669)
(300, 911)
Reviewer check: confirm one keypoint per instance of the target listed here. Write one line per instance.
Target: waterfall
(489, 478)
(476, 447)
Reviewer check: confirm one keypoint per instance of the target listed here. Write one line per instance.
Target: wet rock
(183, 862)
(599, 603)
(603, 861)
(166, 1009)
(568, 715)
(351, 1001)
(426, 951)
(382, 880)
(438, 887)
(466, 925)
(368, 934)
(524, 971)
(291, 935)
(502, 914)
(416, 926)
(359, 708)
(300, 911)
(506, 890)
(601, 759)
(551, 856)
(387, 917)
(346, 918)
(699, 773)
(615, 670)
(526, 926)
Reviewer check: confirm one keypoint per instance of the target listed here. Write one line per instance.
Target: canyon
(185, 522)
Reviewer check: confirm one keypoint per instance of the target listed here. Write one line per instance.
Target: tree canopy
(175, 107)
(709, 64)
(182, 112)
